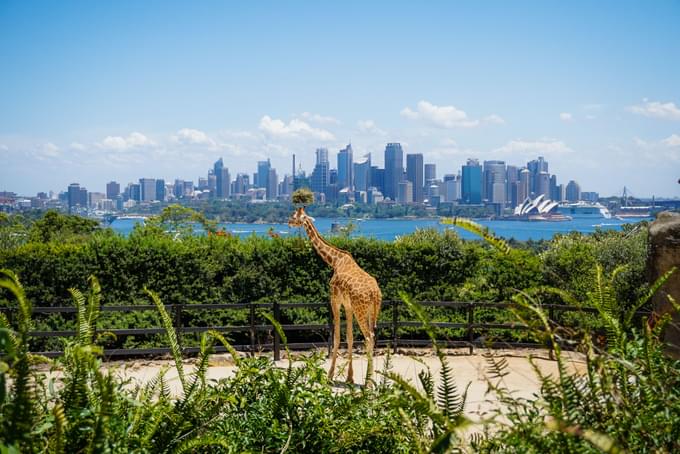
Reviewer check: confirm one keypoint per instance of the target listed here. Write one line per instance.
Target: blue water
(389, 229)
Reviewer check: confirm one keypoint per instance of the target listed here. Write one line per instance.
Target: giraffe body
(352, 288)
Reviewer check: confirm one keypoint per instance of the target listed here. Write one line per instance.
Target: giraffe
(351, 287)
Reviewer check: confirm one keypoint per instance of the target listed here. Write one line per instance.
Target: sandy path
(470, 369)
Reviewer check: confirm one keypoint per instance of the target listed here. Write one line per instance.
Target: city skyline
(93, 93)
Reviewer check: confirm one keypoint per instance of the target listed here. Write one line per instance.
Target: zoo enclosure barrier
(473, 329)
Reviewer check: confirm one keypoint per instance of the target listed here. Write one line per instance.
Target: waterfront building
(94, 199)
(493, 189)
(394, 169)
(451, 188)
(362, 173)
(471, 185)
(188, 188)
(202, 184)
(212, 183)
(222, 180)
(345, 168)
(378, 178)
(590, 196)
(112, 189)
(543, 184)
(524, 186)
(321, 172)
(148, 188)
(262, 176)
(272, 184)
(430, 173)
(573, 191)
(134, 192)
(73, 196)
(405, 195)
(414, 174)
(511, 185)
(555, 189)
(535, 168)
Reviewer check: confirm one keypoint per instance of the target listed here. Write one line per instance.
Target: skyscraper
(345, 168)
(73, 195)
(573, 191)
(362, 173)
(222, 180)
(524, 186)
(148, 188)
(472, 182)
(272, 184)
(536, 167)
(263, 173)
(430, 174)
(543, 184)
(160, 190)
(378, 178)
(112, 189)
(414, 174)
(320, 174)
(394, 169)
(511, 185)
(494, 182)
(405, 192)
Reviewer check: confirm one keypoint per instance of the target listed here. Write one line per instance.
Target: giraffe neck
(329, 254)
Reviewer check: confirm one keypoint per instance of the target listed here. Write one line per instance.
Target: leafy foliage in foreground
(627, 399)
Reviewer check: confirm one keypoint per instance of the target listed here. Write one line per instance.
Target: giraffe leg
(366, 326)
(335, 307)
(350, 340)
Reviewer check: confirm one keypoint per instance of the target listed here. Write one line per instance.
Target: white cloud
(369, 127)
(294, 129)
(321, 119)
(566, 116)
(672, 141)
(49, 150)
(545, 146)
(447, 117)
(655, 109)
(77, 146)
(4, 147)
(118, 143)
(188, 136)
(494, 119)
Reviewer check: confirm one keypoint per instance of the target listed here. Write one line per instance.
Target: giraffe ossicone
(352, 288)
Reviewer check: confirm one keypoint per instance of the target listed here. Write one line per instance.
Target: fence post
(177, 309)
(470, 321)
(551, 318)
(252, 329)
(277, 338)
(395, 322)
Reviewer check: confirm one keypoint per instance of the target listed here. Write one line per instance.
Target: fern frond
(58, 441)
(230, 348)
(10, 281)
(478, 230)
(82, 328)
(172, 336)
(647, 296)
(193, 444)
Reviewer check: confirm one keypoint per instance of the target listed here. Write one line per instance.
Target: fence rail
(471, 326)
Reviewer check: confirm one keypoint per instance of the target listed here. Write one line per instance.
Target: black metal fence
(388, 331)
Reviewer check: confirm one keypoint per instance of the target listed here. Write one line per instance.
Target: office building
(451, 188)
(160, 190)
(321, 172)
(535, 168)
(262, 178)
(394, 170)
(414, 174)
(346, 168)
(272, 184)
(378, 179)
(493, 190)
(543, 184)
(524, 186)
(430, 174)
(148, 188)
(94, 199)
(362, 173)
(573, 191)
(112, 189)
(511, 185)
(405, 195)
(471, 184)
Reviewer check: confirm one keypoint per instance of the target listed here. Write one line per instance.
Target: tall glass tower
(394, 169)
(345, 168)
(472, 182)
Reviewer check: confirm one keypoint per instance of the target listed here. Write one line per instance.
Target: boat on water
(633, 212)
(583, 209)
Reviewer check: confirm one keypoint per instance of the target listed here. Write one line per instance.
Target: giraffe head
(297, 218)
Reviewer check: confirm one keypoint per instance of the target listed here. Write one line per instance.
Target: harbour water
(389, 229)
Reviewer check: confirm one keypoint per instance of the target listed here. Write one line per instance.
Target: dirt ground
(468, 369)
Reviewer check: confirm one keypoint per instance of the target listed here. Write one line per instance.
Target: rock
(664, 254)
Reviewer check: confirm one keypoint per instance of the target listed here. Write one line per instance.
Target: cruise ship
(583, 209)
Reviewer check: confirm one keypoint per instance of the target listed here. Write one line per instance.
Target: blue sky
(99, 91)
